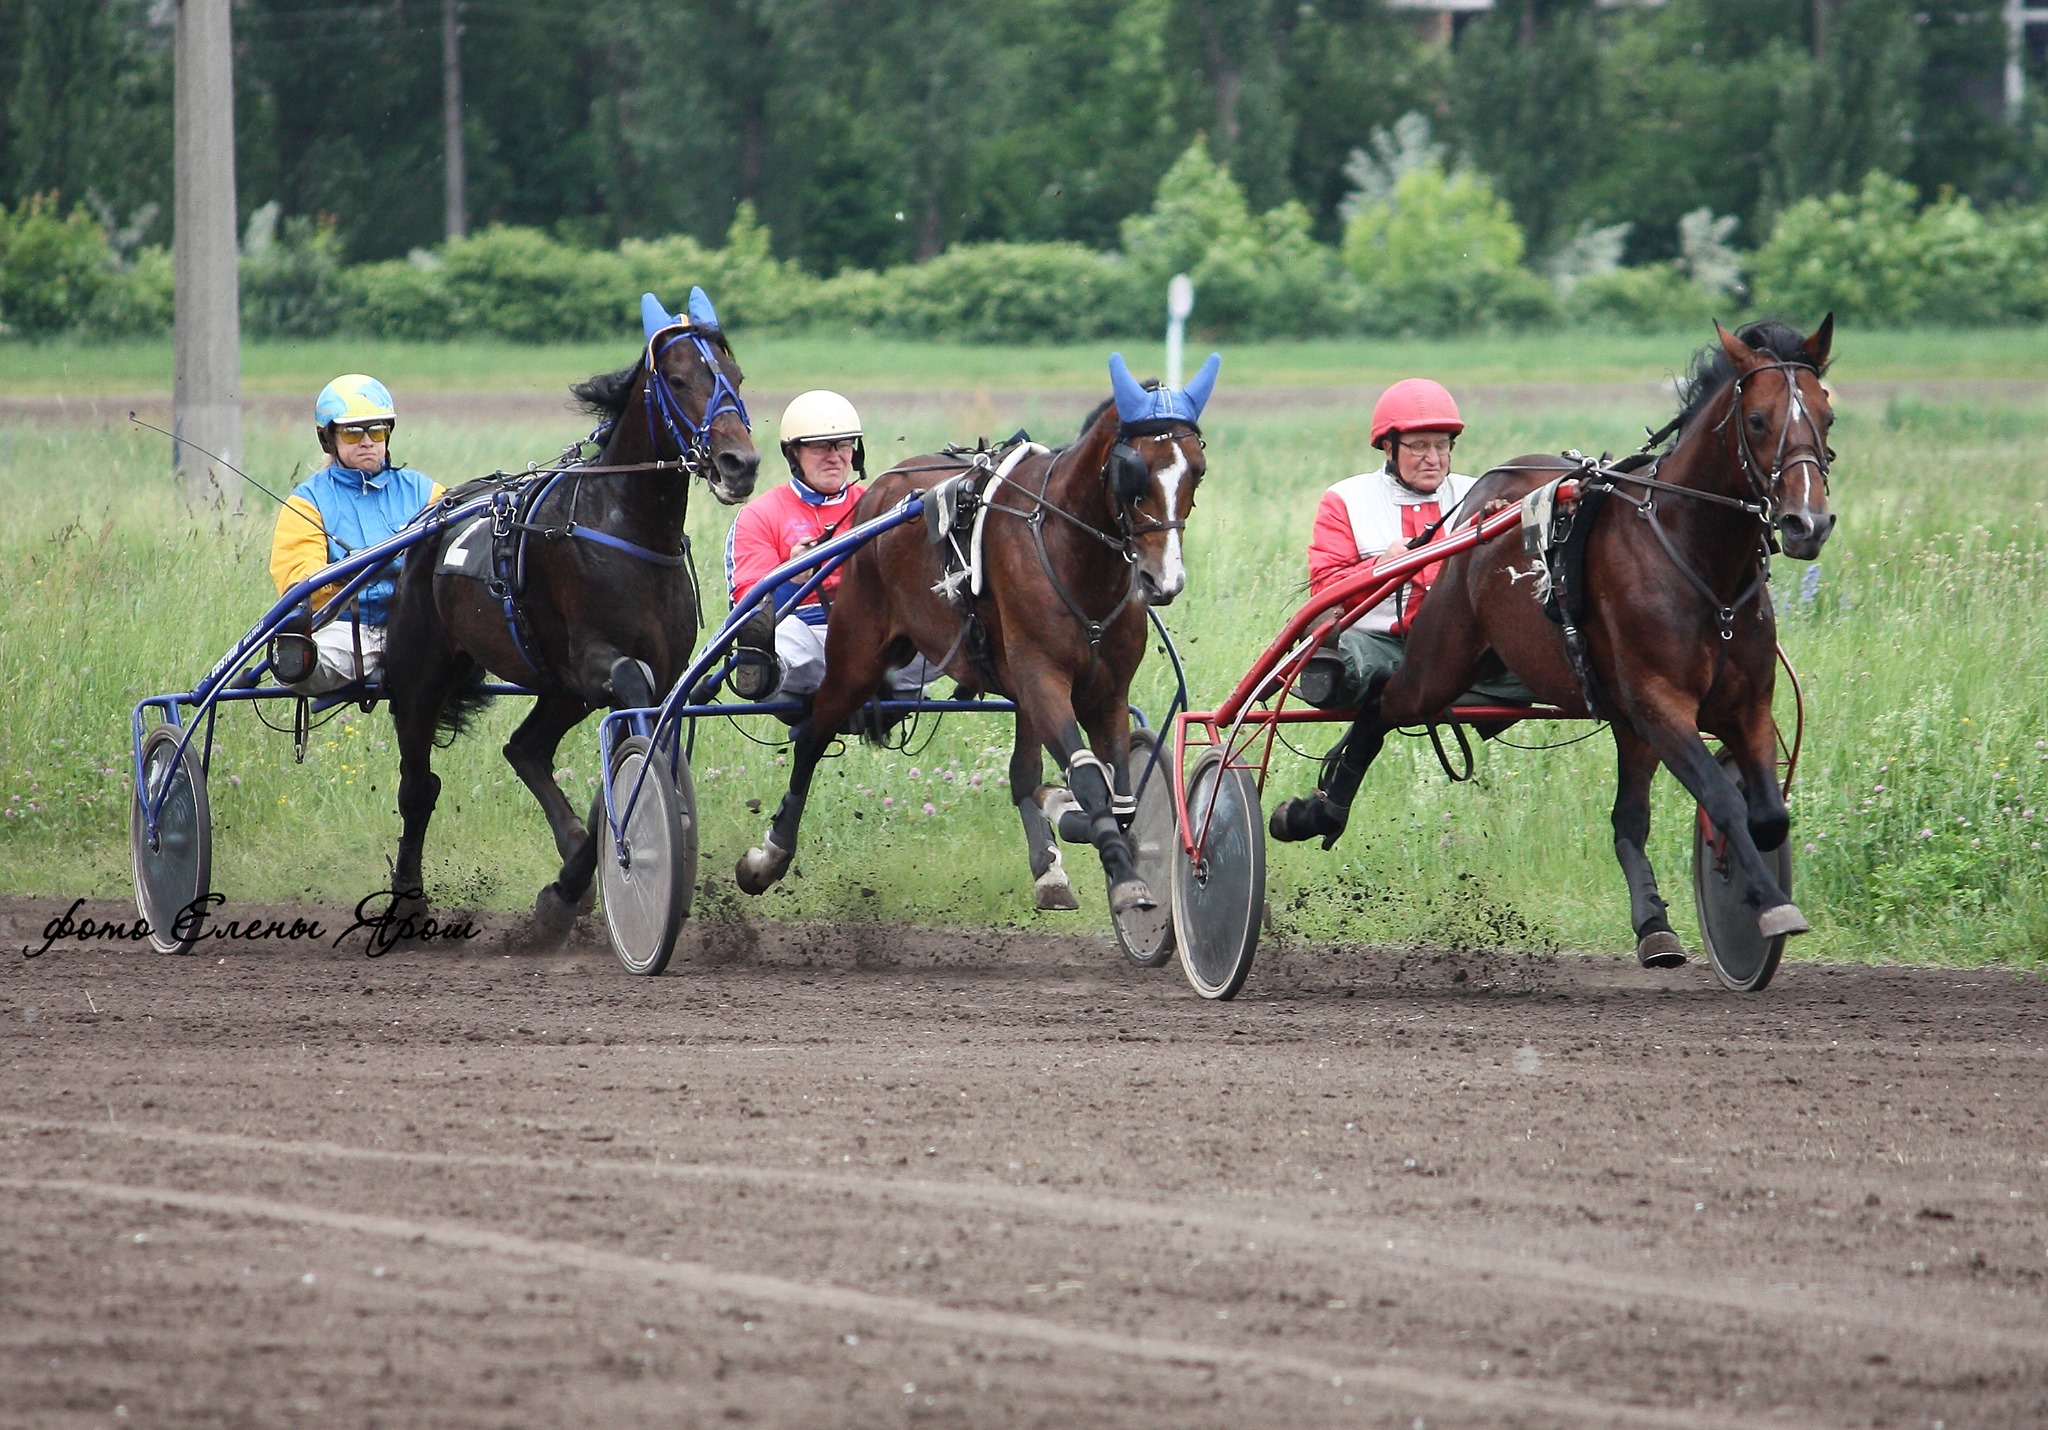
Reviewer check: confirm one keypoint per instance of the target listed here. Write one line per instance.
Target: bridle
(1767, 484)
(1131, 523)
(664, 410)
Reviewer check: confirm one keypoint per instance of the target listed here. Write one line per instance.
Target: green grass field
(1920, 640)
(783, 363)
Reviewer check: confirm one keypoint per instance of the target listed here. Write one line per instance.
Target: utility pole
(206, 398)
(451, 115)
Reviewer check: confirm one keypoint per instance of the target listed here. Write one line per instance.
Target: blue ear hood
(701, 311)
(1134, 403)
(654, 317)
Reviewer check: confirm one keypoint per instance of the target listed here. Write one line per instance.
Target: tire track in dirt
(703, 1280)
(1386, 1238)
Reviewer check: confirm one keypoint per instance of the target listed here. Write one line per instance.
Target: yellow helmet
(354, 397)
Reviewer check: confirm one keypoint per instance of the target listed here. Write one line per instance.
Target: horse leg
(1089, 783)
(1051, 890)
(1326, 813)
(1656, 945)
(853, 672)
(1685, 755)
(629, 686)
(416, 706)
(1756, 756)
(531, 753)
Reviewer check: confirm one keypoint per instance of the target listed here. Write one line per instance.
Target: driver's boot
(756, 673)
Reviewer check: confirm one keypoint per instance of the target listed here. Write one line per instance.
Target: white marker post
(1180, 301)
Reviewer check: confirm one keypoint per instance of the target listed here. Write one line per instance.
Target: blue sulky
(643, 936)
(167, 881)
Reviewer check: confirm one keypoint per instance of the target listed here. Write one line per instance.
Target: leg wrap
(1090, 780)
(1038, 836)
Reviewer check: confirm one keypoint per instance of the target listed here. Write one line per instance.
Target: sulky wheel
(1218, 899)
(1146, 935)
(171, 872)
(648, 876)
(1743, 958)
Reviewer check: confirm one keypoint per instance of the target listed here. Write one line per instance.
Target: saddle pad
(1017, 454)
(469, 554)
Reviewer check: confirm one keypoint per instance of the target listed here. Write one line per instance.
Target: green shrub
(291, 278)
(1869, 257)
(1255, 275)
(751, 288)
(1013, 292)
(1441, 254)
(854, 298)
(403, 298)
(136, 301)
(51, 267)
(519, 283)
(1655, 298)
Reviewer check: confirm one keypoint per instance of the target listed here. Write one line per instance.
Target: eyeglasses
(1427, 447)
(354, 436)
(840, 446)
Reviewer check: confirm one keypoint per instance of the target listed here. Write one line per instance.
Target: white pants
(336, 644)
(800, 647)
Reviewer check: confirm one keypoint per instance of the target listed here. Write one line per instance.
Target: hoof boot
(1317, 817)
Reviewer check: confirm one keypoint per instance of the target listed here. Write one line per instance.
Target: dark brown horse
(1679, 632)
(1077, 543)
(607, 612)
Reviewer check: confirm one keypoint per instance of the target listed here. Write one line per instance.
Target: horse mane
(605, 394)
(1711, 369)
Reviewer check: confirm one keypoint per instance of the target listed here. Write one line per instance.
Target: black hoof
(553, 915)
(1316, 817)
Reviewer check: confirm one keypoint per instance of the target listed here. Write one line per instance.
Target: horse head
(698, 394)
(1780, 414)
(1152, 470)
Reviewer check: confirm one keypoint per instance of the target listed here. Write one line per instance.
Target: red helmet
(1415, 404)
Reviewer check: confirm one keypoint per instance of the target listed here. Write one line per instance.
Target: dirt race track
(875, 1176)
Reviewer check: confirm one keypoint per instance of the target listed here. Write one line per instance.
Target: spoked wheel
(1146, 935)
(648, 876)
(1743, 958)
(173, 870)
(1217, 901)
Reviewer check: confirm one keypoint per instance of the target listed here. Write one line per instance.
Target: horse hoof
(553, 915)
(1130, 897)
(1660, 949)
(409, 909)
(761, 869)
(1781, 921)
(1316, 817)
(1052, 892)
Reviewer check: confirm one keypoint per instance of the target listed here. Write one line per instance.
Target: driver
(822, 442)
(1416, 423)
(357, 500)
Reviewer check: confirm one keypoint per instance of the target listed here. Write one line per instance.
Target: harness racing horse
(1078, 542)
(598, 608)
(1678, 632)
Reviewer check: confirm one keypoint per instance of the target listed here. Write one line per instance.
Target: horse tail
(461, 709)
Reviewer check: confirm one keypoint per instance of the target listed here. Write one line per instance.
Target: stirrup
(1321, 682)
(1315, 817)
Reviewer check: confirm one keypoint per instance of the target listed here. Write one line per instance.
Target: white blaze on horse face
(1172, 574)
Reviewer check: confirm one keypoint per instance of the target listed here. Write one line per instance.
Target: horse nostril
(734, 466)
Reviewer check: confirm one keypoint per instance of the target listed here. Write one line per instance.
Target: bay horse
(1678, 627)
(606, 613)
(1078, 542)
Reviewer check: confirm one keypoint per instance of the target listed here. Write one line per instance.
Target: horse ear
(654, 317)
(1204, 382)
(1819, 343)
(701, 311)
(1133, 403)
(1740, 353)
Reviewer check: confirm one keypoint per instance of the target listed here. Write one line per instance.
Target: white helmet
(821, 416)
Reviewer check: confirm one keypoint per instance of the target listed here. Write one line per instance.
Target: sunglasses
(355, 436)
(843, 446)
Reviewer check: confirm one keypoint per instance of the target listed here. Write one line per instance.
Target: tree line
(869, 133)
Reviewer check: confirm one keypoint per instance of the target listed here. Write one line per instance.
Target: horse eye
(1756, 421)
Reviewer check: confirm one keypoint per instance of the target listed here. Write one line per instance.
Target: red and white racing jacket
(770, 528)
(1362, 516)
